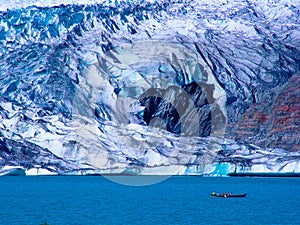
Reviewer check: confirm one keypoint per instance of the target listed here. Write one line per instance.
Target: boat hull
(230, 196)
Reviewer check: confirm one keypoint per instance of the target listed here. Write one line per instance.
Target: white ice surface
(39, 171)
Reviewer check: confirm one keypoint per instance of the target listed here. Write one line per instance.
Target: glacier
(149, 87)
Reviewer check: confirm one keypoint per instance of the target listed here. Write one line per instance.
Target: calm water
(178, 200)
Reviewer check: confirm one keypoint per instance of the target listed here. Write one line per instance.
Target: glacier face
(143, 87)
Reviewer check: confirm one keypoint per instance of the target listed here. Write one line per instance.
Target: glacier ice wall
(111, 86)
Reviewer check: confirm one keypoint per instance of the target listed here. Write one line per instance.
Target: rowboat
(228, 195)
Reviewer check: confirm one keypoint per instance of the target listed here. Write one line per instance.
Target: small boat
(228, 195)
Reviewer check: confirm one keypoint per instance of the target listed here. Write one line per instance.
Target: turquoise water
(178, 200)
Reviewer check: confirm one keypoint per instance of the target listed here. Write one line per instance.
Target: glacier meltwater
(150, 87)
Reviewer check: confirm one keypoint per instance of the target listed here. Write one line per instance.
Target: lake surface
(178, 200)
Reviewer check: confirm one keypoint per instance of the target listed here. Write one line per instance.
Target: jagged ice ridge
(82, 84)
